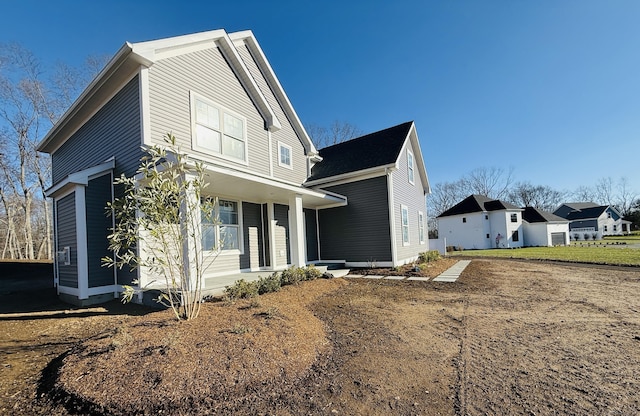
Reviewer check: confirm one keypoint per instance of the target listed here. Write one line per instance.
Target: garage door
(558, 239)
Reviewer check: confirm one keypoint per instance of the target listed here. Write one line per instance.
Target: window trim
(285, 146)
(514, 217)
(217, 224)
(410, 167)
(404, 209)
(515, 236)
(421, 232)
(194, 97)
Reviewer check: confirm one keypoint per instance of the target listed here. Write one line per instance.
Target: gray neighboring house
(590, 219)
(285, 202)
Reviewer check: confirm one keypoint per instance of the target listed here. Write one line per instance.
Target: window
(284, 155)
(410, 166)
(615, 227)
(514, 236)
(605, 229)
(464, 219)
(222, 232)
(488, 236)
(405, 225)
(608, 215)
(218, 130)
(514, 217)
(486, 217)
(421, 227)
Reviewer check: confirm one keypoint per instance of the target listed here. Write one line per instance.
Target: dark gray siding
(66, 232)
(252, 230)
(281, 215)
(311, 234)
(583, 224)
(113, 131)
(97, 194)
(358, 232)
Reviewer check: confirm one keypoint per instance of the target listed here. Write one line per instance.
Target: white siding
(470, 234)
(539, 234)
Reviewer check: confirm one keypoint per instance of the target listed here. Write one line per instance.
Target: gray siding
(358, 232)
(66, 233)
(208, 74)
(252, 230)
(404, 193)
(281, 214)
(311, 234)
(97, 194)
(286, 135)
(113, 131)
(583, 224)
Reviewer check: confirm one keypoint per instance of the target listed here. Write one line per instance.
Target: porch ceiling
(251, 188)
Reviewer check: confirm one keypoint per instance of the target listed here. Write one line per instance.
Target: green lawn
(593, 254)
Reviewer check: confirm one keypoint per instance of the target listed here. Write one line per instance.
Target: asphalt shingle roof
(593, 212)
(477, 203)
(532, 214)
(376, 149)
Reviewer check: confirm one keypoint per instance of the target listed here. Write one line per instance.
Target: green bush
(429, 256)
(312, 273)
(292, 276)
(269, 284)
(241, 289)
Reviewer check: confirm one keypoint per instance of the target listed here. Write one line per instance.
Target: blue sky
(548, 88)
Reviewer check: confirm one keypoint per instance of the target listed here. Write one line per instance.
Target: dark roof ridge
(364, 137)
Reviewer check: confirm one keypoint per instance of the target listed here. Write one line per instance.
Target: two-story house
(478, 222)
(282, 202)
(592, 220)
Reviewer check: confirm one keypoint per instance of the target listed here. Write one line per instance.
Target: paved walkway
(449, 275)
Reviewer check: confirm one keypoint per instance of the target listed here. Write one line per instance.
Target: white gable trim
(247, 38)
(80, 178)
(418, 160)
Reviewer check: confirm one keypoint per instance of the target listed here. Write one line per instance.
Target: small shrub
(594, 236)
(292, 276)
(429, 256)
(586, 236)
(241, 289)
(576, 236)
(269, 284)
(312, 273)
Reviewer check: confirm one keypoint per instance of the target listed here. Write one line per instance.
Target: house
(541, 228)
(479, 222)
(285, 202)
(588, 220)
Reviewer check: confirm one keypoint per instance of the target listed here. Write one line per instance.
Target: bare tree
(543, 197)
(626, 198)
(337, 132)
(584, 194)
(492, 182)
(604, 191)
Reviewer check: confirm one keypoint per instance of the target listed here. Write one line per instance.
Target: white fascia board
(80, 178)
(249, 39)
(418, 160)
(352, 176)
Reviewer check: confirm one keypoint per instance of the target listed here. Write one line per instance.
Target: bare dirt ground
(510, 337)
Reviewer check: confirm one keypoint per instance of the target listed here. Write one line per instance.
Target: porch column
(271, 224)
(190, 218)
(296, 231)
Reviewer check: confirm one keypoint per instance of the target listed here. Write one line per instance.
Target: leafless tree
(626, 198)
(337, 132)
(604, 191)
(584, 194)
(492, 182)
(543, 197)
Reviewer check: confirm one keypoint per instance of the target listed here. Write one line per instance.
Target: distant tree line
(32, 98)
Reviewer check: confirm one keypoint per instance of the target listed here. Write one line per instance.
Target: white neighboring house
(543, 228)
(587, 219)
(479, 222)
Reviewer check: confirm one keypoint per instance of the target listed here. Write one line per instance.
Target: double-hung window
(410, 166)
(405, 225)
(284, 155)
(222, 230)
(218, 130)
(421, 227)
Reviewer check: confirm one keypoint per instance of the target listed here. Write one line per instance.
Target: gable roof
(580, 205)
(585, 213)
(533, 215)
(380, 149)
(132, 56)
(478, 203)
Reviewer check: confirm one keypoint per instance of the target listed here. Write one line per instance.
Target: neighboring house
(543, 228)
(589, 219)
(478, 222)
(283, 203)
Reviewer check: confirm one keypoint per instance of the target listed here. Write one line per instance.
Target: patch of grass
(593, 254)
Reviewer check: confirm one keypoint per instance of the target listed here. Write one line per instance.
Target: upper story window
(464, 219)
(608, 215)
(514, 217)
(218, 130)
(284, 155)
(410, 166)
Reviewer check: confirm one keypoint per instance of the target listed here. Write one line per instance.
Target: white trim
(145, 107)
(79, 178)
(296, 231)
(421, 229)
(411, 167)
(392, 218)
(352, 176)
(270, 153)
(403, 209)
(219, 251)
(290, 149)
(273, 253)
(56, 272)
(81, 243)
(92, 291)
(318, 236)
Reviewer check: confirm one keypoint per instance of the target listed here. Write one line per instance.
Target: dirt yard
(510, 337)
